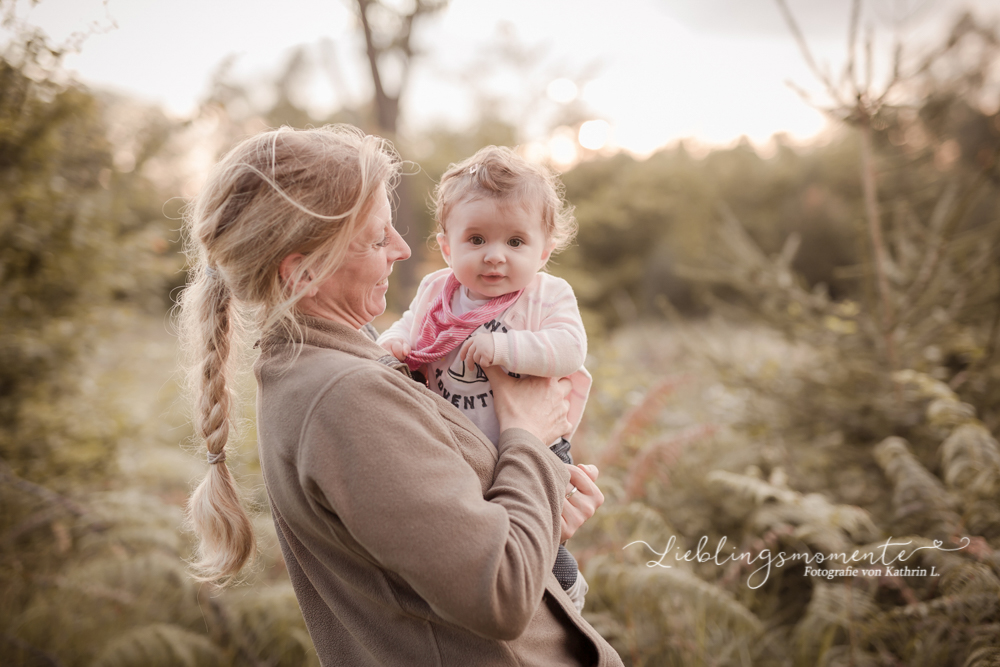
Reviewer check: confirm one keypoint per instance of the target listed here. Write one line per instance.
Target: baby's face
(494, 250)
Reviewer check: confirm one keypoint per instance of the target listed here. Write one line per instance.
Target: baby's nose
(494, 255)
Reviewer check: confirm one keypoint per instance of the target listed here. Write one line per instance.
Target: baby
(499, 220)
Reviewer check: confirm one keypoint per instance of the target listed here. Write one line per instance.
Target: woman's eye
(477, 240)
(384, 242)
(515, 243)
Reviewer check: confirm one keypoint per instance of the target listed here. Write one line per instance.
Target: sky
(655, 71)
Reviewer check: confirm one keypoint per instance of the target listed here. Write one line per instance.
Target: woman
(409, 538)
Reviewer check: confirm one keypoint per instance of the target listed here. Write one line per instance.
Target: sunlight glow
(534, 152)
(562, 91)
(634, 67)
(594, 134)
(562, 146)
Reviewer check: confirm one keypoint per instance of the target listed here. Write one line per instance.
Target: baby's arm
(396, 339)
(557, 349)
(397, 348)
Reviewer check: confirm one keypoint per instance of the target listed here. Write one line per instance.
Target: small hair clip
(473, 169)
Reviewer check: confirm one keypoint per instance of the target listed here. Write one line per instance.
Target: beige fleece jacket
(410, 540)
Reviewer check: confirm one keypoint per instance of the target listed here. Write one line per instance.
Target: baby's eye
(515, 243)
(477, 240)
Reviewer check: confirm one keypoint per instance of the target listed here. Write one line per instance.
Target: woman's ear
(442, 241)
(289, 267)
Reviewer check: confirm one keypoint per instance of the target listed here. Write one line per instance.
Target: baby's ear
(547, 253)
(442, 241)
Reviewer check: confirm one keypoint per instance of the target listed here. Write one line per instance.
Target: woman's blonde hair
(277, 193)
(500, 174)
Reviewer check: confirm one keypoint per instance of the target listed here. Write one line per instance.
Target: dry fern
(970, 458)
(919, 498)
(160, 645)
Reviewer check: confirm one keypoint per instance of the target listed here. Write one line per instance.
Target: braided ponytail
(280, 192)
(215, 511)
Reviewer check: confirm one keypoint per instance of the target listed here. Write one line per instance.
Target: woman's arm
(512, 398)
(382, 460)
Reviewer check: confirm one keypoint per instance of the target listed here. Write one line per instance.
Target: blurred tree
(91, 570)
(641, 220)
(389, 47)
(390, 51)
(81, 228)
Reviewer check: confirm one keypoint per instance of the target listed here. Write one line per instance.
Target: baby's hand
(478, 349)
(398, 348)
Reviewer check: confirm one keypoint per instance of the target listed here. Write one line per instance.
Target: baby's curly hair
(500, 174)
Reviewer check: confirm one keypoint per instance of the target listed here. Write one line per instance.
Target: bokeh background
(787, 264)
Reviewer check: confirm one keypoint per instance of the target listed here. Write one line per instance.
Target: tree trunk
(407, 222)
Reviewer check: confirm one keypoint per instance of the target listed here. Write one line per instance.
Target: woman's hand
(581, 503)
(536, 404)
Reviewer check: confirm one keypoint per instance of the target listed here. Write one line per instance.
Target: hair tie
(217, 458)
(210, 271)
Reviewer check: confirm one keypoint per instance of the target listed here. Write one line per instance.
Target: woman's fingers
(538, 405)
(581, 503)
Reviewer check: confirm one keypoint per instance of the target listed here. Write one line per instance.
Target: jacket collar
(325, 334)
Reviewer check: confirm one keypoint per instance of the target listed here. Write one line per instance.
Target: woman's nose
(400, 250)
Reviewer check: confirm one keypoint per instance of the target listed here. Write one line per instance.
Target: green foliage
(102, 578)
(645, 224)
(826, 432)
(783, 489)
(77, 236)
(847, 413)
(271, 624)
(92, 557)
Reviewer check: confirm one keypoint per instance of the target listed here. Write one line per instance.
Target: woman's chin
(377, 308)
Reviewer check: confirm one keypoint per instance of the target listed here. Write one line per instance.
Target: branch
(929, 268)
(806, 53)
(370, 49)
(991, 340)
(8, 476)
(852, 43)
(878, 245)
(869, 60)
(897, 59)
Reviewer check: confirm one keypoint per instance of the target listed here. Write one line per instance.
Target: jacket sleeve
(383, 459)
(556, 349)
